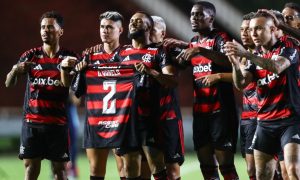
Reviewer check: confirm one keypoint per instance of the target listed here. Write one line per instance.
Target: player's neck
(140, 43)
(111, 47)
(204, 33)
(268, 46)
(51, 50)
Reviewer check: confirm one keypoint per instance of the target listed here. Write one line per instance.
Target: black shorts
(272, 136)
(247, 131)
(44, 141)
(217, 129)
(173, 141)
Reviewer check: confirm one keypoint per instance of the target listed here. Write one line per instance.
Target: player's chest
(148, 57)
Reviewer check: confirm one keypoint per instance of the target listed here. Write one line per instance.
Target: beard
(136, 34)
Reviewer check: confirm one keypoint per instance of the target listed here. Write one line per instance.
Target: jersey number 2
(109, 104)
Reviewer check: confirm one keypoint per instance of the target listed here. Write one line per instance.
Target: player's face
(50, 31)
(200, 18)
(157, 34)
(245, 33)
(291, 17)
(137, 23)
(260, 30)
(110, 31)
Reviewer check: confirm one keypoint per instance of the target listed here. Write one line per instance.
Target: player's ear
(273, 29)
(61, 32)
(163, 34)
(212, 18)
(121, 30)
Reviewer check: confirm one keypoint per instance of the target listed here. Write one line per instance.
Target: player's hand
(92, 49)
(81, 66)
(234, 49)
(187, 54)
(170, 42)
(68, 63)
(23, 67)
(236, 62)
(209, 80)
(142, 68)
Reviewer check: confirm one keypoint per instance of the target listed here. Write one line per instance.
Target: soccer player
(170, 118)
(275, 68)
(152, 62)
(215, 124)
(291, 13)
(97, 147)
(249, 108)
(44, 129)
(279, 21)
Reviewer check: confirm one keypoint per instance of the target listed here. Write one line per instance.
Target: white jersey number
(109, 104)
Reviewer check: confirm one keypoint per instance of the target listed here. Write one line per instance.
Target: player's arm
(274, 65)
(166, 78)
(17, 70)
(217, 57)
(241, 77)
(289, 30)
(66, 66)
(12, 76)
(170, 42)
(211, 79)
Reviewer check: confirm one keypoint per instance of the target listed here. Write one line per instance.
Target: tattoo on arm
(271, 65)
(11, 77)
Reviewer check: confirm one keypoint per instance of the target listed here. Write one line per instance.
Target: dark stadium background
(20, 32)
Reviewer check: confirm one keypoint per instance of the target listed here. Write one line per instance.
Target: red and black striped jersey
(110, 103)
(100, 57)
(208, 100)
(278, 94)
(249, 109)
(45, 96)
(92, 58)
(296, 43)
(155, 58)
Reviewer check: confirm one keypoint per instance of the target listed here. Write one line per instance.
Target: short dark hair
(262, 14)
(248, 16)
(53, 14)
(293, 5)
(207, 5)
(278, 15)
(148, 16)
(112, 15)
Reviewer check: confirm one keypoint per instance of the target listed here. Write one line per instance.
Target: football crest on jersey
(147, 58)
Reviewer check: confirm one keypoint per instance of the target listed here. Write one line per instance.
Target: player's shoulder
(194, 39)
(126, 47)
(216, 33)
(31, 52)
(289, 41)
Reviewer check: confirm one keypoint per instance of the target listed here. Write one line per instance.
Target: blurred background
(20, 31)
